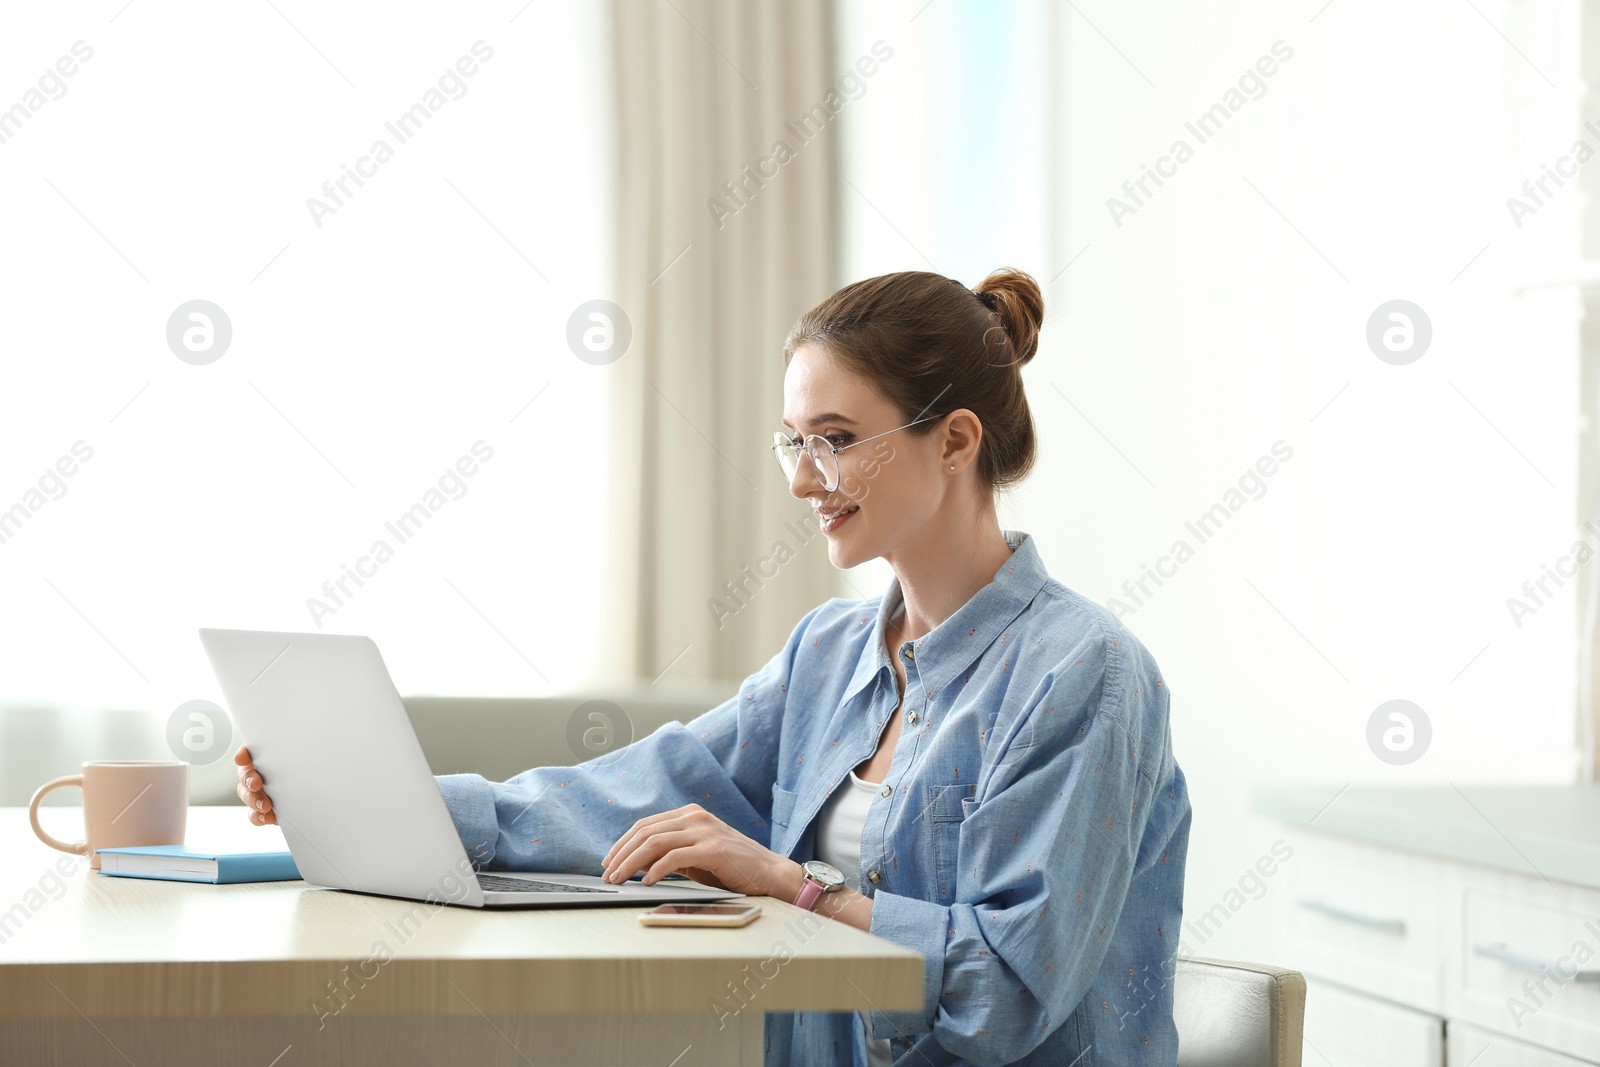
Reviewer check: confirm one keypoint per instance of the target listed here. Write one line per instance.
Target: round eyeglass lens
(827, 464)
(788, 455)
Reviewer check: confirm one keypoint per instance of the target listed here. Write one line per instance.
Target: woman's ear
(962, 435)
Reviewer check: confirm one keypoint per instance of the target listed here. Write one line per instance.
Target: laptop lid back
(349, 782)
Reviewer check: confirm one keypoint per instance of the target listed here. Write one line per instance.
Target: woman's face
(893, 481)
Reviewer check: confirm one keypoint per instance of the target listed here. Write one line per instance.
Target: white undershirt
(839, 843)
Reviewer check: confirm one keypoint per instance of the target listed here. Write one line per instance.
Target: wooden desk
(102, 970)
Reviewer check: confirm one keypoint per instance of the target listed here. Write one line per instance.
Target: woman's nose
(805, 477)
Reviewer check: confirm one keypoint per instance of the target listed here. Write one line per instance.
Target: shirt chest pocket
(948, 807)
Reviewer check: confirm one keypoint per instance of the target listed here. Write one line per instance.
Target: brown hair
(931, 345)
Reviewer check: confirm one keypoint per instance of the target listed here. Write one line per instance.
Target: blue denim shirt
(1031, 847)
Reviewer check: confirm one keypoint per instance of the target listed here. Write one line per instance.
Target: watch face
(826, 873)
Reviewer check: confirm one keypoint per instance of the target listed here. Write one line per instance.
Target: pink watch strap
(809, 892)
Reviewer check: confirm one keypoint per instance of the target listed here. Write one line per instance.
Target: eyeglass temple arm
(885, 433)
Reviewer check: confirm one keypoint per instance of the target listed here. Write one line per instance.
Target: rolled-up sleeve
(1047, 852)
(565, 818)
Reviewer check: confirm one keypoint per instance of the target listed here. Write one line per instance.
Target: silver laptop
(353, 792)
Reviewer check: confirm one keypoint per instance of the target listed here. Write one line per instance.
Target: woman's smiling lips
(832, 520)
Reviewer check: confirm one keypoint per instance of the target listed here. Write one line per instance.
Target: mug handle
(82, 847)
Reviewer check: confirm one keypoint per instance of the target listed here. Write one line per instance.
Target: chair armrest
(1235, 1014)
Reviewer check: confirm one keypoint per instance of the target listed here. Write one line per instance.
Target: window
(397, 440)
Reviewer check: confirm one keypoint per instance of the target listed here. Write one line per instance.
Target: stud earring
(952, 466)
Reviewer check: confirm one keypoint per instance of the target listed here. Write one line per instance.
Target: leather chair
(1232, 1014)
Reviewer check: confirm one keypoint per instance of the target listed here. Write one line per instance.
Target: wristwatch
(820, 878)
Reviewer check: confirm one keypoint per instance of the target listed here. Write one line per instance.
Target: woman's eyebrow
(826, 417)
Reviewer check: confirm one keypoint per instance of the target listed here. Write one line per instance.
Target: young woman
(976, 764)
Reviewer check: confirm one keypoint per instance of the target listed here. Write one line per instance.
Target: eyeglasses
(824, 454)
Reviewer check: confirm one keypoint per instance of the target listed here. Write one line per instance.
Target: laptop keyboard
(532, 885)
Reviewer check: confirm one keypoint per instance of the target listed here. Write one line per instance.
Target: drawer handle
(1529, 963)
(1397, 925)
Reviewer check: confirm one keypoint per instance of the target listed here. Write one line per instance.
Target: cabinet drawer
(1531, 970)
(1346, 1029)
(1479, 1048)
(1369, 919)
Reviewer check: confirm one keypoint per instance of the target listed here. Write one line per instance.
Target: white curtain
(726, 208)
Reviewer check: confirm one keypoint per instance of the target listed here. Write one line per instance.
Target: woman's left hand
(693, 842)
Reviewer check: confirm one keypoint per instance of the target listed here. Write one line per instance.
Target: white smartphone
(701, 915)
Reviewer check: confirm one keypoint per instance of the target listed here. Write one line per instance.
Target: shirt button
(911, 716)
(872, 876)
(910, 653)
(887, 790)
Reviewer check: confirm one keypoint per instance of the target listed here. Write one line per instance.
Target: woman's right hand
(252, 790)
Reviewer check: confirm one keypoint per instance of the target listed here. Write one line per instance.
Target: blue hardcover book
(179, 864)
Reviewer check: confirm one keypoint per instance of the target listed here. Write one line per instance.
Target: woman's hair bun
(1017, 299)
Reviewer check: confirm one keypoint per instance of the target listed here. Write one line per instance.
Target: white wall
(1229, 313)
